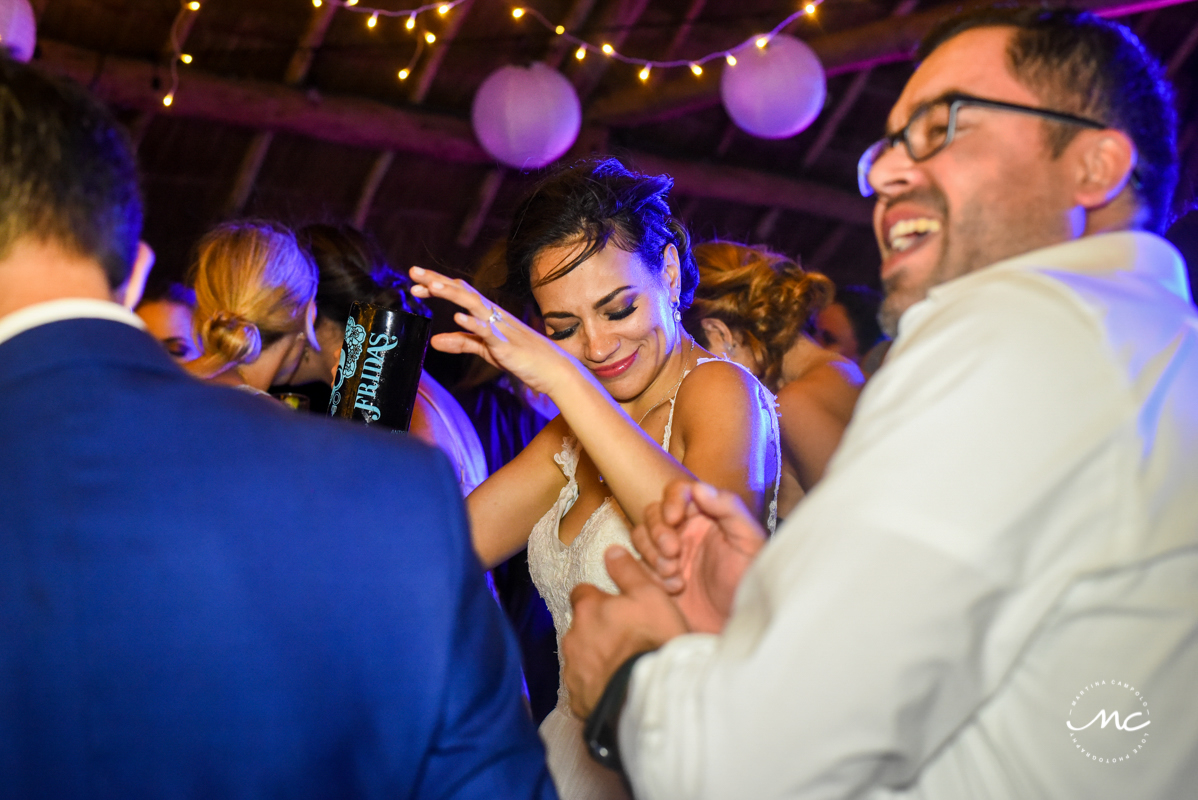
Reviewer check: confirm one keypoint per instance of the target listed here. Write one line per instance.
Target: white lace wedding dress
(557, 568)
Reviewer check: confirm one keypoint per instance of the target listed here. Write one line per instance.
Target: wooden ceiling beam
(370, 187)
(882, 42)
(576, 17)
(614, 23)
(423, 80)
(127, 83)
(297, 70)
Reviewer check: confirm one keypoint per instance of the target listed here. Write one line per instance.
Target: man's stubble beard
(981, 244)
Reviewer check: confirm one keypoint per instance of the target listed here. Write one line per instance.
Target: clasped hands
(695, 546)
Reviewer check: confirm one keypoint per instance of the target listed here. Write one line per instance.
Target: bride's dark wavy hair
(599, 202)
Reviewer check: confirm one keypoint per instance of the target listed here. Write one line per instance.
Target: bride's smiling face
(611, 312)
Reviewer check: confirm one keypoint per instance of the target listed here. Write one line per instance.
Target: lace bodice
(557, 568)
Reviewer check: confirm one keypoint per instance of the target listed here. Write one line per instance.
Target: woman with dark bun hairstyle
(754, 307)
(351, 269)
(255, 291)
(642, 404)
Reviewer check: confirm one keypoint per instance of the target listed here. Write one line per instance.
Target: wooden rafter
(422, 81)
(370, 186)
(297, 70)
(882, 42)
(180, 30)
(684, 29)
(576, 17)
(615, 21)
(357, 122)
(481, 207)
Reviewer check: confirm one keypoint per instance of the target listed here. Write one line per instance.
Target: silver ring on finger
(495, 315)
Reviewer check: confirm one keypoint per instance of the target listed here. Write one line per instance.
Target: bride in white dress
(641, 404)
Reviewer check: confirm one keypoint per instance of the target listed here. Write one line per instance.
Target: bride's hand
(493, 334)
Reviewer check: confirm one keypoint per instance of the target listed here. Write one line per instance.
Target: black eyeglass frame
(955, 102)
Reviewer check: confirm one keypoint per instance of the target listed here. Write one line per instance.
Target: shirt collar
(1137, 253)
(40, 314)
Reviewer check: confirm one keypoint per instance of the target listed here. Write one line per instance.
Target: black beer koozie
(380, 366)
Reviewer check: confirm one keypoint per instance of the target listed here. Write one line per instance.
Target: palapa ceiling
(295, 112)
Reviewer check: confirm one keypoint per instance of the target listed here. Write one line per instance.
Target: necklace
(673, 389)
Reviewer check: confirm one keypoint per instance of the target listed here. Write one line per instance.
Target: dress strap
(769, 405)
(567, 459)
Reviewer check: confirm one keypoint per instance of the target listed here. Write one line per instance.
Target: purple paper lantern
(774, 91)
(526, 117)
(18, 29)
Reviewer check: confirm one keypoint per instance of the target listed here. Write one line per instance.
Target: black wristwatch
(604, 722)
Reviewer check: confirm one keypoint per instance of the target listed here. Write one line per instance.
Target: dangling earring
(677, 313)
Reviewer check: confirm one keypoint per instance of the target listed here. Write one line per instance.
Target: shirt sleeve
(876, 621)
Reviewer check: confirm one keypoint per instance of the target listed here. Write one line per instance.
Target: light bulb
(193, 5)
(695, 68)
(809, 8)
(644, 73)
(517, 12)
(185, 58)
(351, 2)
(411, 23)
(404, 73)
(581, 53)
(559, 30)
(430, 37)
(761, 42)
(731, 59)
(166, 101)
(374, 20)
(443, 10)
(316, 3)
(608, 49)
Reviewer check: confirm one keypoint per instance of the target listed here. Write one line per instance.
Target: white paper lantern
(18, 28)
(526, 117)
(774, 91)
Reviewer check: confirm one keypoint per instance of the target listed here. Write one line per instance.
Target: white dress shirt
(38, 314)
(1008, 535)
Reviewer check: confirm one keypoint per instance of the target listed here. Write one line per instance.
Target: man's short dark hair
(67, 173)
(1084, 65)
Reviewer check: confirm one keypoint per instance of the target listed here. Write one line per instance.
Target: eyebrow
(600, 303)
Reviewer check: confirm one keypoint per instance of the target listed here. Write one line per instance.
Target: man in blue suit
(202, 595)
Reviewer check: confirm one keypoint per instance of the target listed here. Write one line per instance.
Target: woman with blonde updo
(753, 307)
(255, 304)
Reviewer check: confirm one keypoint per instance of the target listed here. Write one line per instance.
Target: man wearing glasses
(994, 591)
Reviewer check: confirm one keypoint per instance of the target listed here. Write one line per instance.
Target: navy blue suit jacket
(203, 594)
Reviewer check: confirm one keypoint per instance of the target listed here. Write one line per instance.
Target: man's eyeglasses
(932, 127)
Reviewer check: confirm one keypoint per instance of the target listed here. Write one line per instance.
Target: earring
(677, 313)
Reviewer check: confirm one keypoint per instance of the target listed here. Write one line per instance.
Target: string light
(185, 58)
(316, 3)
(193, 5)
(166, 101)
(646, 65)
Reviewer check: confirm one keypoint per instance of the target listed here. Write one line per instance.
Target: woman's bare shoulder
(832, 386)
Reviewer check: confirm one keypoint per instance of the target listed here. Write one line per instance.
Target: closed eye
(622, 313)
(557, 336)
